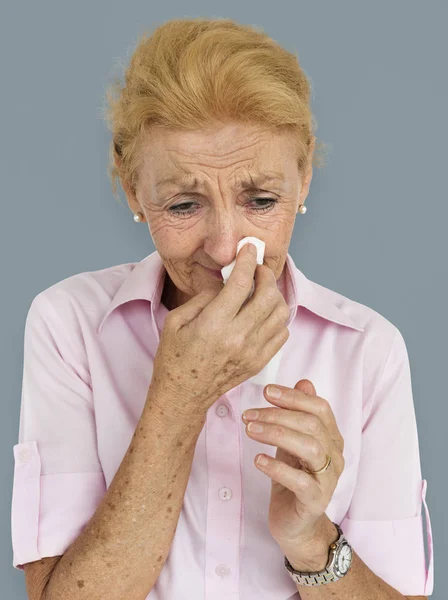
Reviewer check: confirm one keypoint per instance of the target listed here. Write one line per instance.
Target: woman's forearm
(122, 549)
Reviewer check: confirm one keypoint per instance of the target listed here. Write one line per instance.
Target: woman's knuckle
(242, 284)
(324, 407)
(278, 431)
(279, 313)
(304, 483)
(314, 425)
(270, 294)
(314, 449)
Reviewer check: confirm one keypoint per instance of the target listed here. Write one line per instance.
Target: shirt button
(222, 570)
(222, 410)
(225, 493)
(24, 455)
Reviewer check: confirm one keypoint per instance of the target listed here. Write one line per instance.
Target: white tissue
(260, 245)
(269, 373)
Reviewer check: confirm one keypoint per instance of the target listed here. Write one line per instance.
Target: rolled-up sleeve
(384, 523)
(58, 480)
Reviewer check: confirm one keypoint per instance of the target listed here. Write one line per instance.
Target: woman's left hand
(304, 430)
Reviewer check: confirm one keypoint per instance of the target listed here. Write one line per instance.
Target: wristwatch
(339, 563)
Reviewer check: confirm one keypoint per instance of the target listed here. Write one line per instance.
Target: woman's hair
(193, 73)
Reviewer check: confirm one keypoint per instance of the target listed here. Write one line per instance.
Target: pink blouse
(89, 345)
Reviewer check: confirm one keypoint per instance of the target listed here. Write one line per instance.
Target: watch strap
(327, 575)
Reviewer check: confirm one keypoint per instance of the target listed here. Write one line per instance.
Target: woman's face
(224, 195)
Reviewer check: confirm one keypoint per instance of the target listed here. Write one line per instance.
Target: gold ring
(325, 467)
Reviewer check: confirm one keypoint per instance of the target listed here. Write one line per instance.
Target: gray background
(375, 229)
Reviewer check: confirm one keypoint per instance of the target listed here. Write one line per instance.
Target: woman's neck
(168, 297)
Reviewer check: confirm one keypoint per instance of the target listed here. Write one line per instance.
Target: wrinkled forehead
(246, 154)
(242, 181)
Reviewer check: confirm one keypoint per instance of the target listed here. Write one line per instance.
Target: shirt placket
(224, 498)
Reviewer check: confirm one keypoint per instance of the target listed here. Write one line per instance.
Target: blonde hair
(192, 73)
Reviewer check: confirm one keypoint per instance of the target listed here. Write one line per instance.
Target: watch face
(344, 558)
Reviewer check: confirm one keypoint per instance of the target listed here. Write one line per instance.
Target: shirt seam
(380, 381)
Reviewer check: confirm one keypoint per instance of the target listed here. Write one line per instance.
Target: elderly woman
(153, 461)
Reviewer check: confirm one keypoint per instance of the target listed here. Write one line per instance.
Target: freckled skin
(223, 214)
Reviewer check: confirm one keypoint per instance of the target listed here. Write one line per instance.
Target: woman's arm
(122, 549)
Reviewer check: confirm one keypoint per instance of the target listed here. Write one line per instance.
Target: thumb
(306, 386)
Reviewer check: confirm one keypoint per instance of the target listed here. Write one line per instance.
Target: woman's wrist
(163, 404)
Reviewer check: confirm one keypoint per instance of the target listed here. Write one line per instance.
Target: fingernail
(274, 391)
(251, 415)
(262, 460)
(255, 427)
(252, 249)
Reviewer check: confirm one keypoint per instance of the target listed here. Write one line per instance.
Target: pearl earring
(302, 209)
(138, 217)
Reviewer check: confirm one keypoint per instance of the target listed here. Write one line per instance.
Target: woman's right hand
(215, 341)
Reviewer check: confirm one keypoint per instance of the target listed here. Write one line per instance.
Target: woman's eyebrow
(190, 184)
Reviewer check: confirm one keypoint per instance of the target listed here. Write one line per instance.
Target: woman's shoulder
(377, 330)
(83, 294)
(91, 283)
(381, 342)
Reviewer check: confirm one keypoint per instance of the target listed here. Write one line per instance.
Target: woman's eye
(265, 207)
(181, 210)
